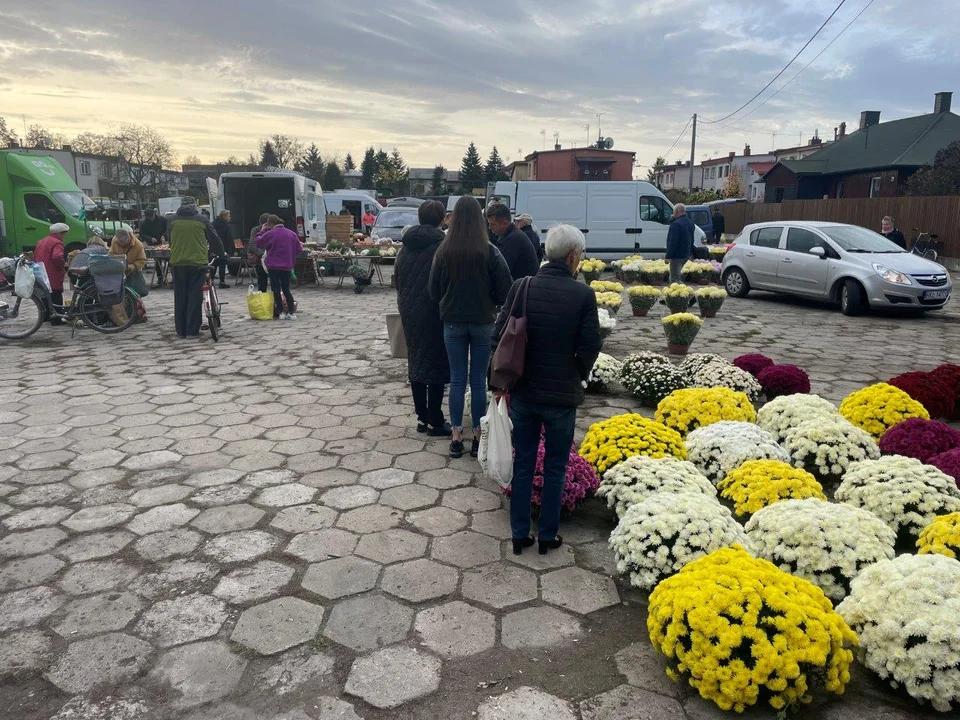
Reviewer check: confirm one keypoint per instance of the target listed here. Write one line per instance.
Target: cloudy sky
(429, 76)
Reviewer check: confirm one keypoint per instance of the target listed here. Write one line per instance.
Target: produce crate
(339, 228)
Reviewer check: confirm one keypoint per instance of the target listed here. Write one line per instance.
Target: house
(352, 179)
(585, 163)
(421, 182)
(713, 173)
(801, 151)
(874, 161)
(677, 176)
(519, 170)
(197, 174)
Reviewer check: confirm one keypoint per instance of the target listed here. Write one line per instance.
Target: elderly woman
(126, 243)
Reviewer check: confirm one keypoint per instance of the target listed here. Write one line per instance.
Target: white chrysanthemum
(724, 446)
(905, 611)
(787, 411)
(657, 536)
(727, 375)
(902, 491)
(692, 364)
(605, 371)
(826, 446)
(607, 322)
(823, 542)
(639, 477)
(651, 377)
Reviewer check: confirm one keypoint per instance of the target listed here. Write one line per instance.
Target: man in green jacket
(192, 241)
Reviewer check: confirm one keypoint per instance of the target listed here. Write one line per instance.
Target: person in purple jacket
(282, 248)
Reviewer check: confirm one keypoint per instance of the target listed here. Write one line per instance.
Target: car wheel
(851, 298)
(735, 282)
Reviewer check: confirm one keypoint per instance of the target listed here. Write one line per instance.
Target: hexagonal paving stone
(31, 542)
(212, 478)
(389, 546)
(349, 496)
(277, 625)
(387, 478)
(96, 576)
(24, 608)
(97, 614)
(597, 556)
(99, 517)
(537, 627)
(26, 572)
(438, 521)
(370, 460)
(579, 590)
(333, 477)
(370, 519)
(183, 620)
(163, 545)
(162, 495)
(152, 460)
(393, 676)
(409, 497)
(285, 495)
(445, 479)
(336, 578)
(294, 668)
(304, 518)
(321, 545)
(466, 549)
(96, 545)
(420, 580)
(495, 523)
(421, 461)
(26, 651)
(367, 623)
(500, 585)
(228, 518)
(162, 518)
(240, 546)
(173, 577)
(629, 703)
(525, 703)
(645, 668)
(471, 499)
(36, 517)
(257, 582)
(109, 660)
(456, 629)
(560, 557)
(200, 673)
(400, 446)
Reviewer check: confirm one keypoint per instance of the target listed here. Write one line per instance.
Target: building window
(839, 189)
(84, 167)
(875, 187)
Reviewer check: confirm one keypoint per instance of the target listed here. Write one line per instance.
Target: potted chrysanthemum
(710, 299)
(678, 297)
(680, 329)
(642, 298)
(592, 269)
(609, 301)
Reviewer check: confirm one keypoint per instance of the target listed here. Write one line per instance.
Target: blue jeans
(467, 346)
(558, 424)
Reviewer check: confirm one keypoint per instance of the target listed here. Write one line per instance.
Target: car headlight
(891, 276)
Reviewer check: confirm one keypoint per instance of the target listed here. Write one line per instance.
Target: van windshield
(73, 202)
(390, 218)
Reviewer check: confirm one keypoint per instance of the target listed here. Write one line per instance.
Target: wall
(563, 165)
(940, 215)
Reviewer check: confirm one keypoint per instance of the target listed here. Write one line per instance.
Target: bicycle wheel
(930, 255)
(103, 320)
(21, 319)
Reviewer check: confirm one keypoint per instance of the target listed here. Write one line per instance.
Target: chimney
(941, 102)
(67, 148)
(732, 155)
(817, 141)
(835, 134)
(843, 131)
(746, 151)
(557, 146)
(869, 118)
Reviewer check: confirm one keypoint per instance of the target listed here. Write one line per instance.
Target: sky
(430, 76)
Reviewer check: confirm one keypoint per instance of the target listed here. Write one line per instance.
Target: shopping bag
(40, 275)
(24, 281)
(138, 283)
(496, 447)
(506, 366)
(398, 341)
(259, 305)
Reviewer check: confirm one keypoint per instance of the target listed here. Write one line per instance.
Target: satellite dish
(608, 143)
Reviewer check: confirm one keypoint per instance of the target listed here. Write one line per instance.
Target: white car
(847, 264)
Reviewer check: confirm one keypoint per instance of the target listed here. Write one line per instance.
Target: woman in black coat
(427, 364)
(222, 227)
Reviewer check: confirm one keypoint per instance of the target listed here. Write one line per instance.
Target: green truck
(35, 191)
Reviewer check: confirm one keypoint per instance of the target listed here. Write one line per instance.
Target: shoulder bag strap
(526, 294)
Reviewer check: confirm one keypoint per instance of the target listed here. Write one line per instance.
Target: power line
(826, 47)
(777, 76)
(664, 155)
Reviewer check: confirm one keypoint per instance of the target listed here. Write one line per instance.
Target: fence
(940, 215)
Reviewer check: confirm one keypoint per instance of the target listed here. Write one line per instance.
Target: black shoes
(520, 543)
(545, 545)
(474, 448)
(422, 427)
(223, 286)
(456, 449)
(439, 431)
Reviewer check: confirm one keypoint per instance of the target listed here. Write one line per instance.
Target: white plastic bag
(496, 447)
(40, 274)
(23, 283)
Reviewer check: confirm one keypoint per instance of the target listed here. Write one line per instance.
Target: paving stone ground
(254, 530)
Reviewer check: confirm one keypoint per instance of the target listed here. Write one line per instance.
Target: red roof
(761, 168)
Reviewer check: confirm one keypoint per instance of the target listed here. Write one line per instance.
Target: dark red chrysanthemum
(948, 462)
(920, 439)
(778, 380)
(753, 363)
(949, 375)
(928, 390)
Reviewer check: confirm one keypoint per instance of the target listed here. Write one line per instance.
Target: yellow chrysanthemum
(678, 290)
(609, 299)
(759, 483)
(879, 407)
(643, 290)
(604, 286)
(610, 442)
(591, 265)
(686, 410)
(736, 627)
(942, 536)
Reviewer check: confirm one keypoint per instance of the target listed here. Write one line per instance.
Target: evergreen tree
(268, 156)
(438, 184)
(494, 169)
(333, 177)
(311, 164)
(7, 134)
(941, 178)
(655, 174)
(368, 168)
(472, 174)
(382, 159)
(397, 164)
(348, 164)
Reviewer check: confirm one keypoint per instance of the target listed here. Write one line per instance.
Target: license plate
(936, 294)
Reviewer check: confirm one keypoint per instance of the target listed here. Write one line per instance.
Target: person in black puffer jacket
(516, 247)
(222, 226)
(525, 223)
(563, 342)
(427, 365)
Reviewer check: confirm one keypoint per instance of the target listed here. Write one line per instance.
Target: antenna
(556, 138)
(587, 128)
(599, 130)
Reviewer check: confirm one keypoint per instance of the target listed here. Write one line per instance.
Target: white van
(357, 202)
(290, 195)
(617, 218)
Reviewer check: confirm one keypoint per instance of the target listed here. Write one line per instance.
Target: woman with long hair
(470, 279)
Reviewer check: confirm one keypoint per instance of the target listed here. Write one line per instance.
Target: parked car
(391, 221)
(847, 264)
(702, 218)
(405, 202)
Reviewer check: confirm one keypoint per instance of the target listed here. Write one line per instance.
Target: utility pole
(693, 149)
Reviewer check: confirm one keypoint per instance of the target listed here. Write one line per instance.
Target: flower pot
(677, 349)
(640, 312)
(707, 313)
(612, 312)
(703, 281)
(589, 277)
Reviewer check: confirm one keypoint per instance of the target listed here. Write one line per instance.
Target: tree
(494, 169)
(140, 154)
(941, 178)
(311, 164)
(39, 137)
(288, 150)
(734, 187)
(655, 174)
(368, 168)
(439, 182)
(268, 156)
(471, 170)
(348, 164)
(7, 135)
(194, 160)
(333, 177)
(391, 172)
(94, 144)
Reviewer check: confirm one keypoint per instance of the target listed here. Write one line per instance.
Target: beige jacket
(136, 257)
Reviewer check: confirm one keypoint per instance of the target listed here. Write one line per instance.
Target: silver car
(851, 265)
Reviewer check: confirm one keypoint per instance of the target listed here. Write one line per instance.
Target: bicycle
(211, 303)
(25, 316)
(925, 245)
